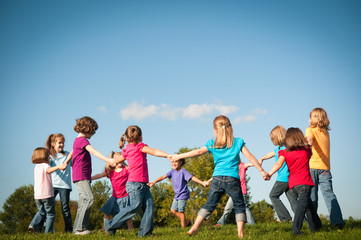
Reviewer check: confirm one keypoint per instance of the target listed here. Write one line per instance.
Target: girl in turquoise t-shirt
(225, 150)
(277, 135)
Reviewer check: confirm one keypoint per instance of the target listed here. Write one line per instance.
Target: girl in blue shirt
(225, 150)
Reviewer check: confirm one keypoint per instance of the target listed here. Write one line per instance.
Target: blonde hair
(318, 118)
(277, 135)
(132, 134)
(85, 125)
(224, 132)
(40, 155)
(52, 140)
(295, 140)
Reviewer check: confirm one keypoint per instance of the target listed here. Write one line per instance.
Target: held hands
(265, 175)
(173, 158)
(205, 183)
(63, 166)
(151, 184)
(112, 162)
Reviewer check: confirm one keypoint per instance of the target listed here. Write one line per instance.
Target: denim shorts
(179, 205)
(113, 205)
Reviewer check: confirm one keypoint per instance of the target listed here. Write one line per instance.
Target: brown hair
(85, 125)
(132, 134)
(50, 142)
(40, 155)
(295, 140)
(224, 132)
(182, 161)
(318, 118)
(277, 135)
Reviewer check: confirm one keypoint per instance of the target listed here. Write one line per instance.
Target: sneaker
(84, 232)
(31, 229)
(217, 225)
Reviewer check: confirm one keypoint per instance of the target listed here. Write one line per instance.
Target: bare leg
(240, 228)
(194, 228)
(181, 216)
(130, 223)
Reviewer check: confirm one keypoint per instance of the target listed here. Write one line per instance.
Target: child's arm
(53, 169)
(253, 160)
(267, 156)
(151, 184)
(247, 165)
(154, 152)
(309, 140)
(193, 153)
(277, 165)
(100, 175)
(97, 154)
(209, 182)
(203, 183)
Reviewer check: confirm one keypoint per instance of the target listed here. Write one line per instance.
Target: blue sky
(171, 67)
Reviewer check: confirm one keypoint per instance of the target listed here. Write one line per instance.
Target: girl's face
(59, 145)
(176, 165)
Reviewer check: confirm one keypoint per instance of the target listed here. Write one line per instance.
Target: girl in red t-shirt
(297, 156)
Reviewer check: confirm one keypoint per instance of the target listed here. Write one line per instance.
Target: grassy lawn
(267, 231)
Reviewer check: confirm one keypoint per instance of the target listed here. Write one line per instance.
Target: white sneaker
(84, 232)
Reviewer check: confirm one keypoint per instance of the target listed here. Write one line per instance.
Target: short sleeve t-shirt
(226, 160)
(43, 187)
(179, 181)
(137, 161)
(61, 179)
(298, 166)
(321, 148)
(283, 172)
(119, 180)
(82, 165)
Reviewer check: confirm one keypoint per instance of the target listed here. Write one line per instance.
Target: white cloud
(245, 119)
(168, 112)
(137, 111)
(102, 109)
(225, 110)
(197, 111)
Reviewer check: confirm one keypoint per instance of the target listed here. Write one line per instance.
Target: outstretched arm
(203, 183)
(53, 169)
(267, 156)
(154, 152)
(97, 154)
(193, 153)
(253, 160)
(100, 175)
(277, 165)
(161, 178)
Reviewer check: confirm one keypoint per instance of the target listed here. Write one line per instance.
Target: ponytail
(122, 141)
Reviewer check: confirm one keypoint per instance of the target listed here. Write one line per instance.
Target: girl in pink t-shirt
(297, 156)
(118, 176)
(43, 191)
(140, 197)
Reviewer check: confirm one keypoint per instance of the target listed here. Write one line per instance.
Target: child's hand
(170, 157)
(266, 176)
(63, 166)
(112, 162)
(151, 184)
(205, 183)
(175, 157)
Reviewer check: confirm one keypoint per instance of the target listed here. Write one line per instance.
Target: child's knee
(173, 211)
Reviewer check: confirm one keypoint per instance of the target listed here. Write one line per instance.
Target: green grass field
(267, 231)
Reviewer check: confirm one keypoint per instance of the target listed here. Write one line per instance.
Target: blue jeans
(228, 210)
(278, 189)
(46, 212)
(85, 203)
(64, 195)
(140, 198)
(304, 206)
(219, 186)
(323, 179)
(179, 205)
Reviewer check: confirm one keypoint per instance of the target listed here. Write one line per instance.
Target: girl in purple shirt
(82, 169)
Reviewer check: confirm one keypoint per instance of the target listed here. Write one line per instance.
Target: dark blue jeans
(305, 206)
(221, 185)
(64, 195)
(278, 189)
